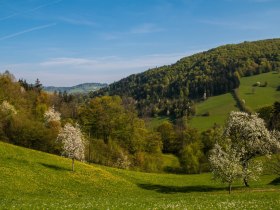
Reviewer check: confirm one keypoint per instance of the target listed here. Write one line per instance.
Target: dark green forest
(171, 90)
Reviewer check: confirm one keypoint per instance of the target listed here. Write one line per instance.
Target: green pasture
(257, 97)
(35, 180)
(218, 108)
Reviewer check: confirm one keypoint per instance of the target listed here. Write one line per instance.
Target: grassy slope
(220, 106)
(263, 96)
(31, 179)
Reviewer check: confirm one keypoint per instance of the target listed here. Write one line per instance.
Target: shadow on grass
(275, 181)
(55, 167)
(177, 189)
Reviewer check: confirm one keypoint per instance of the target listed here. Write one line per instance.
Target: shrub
(206, 114)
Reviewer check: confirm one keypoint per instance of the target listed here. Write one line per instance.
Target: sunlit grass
(218, 108)
(257, 97)
(36, 180)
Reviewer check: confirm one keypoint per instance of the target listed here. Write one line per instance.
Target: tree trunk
(89, 148)
(73, 167)
(245, 169)
(229, 188)
(246, 182)
(89, 153)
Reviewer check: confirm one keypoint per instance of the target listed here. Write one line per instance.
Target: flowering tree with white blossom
(245, 137)
(7, 109)
(225, 164)
(72, 142)
(51, 116)
(250, 137)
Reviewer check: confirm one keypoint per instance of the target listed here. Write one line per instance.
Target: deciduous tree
(225, 164)
(250, 138)
(72, 142)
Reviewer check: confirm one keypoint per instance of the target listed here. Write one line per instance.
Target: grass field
(260, 96)
(36, 180)
(218, 108)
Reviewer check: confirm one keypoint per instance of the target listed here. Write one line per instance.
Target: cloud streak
(67, 71)
(249, 25)
(27, 31)
(30, 10)
(77, 21)
(146, 29)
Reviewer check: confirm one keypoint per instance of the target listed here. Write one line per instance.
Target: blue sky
(68, 42)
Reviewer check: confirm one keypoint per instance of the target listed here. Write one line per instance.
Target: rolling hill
(169, 90)
(81, 88)
(35, 180)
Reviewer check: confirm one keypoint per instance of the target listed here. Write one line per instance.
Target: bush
(206, 114)
(264, 85)
(240, 102)
(257, 84)
(148, 162)
(110, 154)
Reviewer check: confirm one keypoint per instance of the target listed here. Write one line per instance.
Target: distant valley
(81, 88)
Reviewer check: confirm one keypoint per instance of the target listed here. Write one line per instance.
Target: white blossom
(123, 161)
(250, 138)
(225, 164)
(7, 109)
(51, 116)
(248, 133)
(72, 142)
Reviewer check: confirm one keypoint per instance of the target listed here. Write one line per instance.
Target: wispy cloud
(77, 21)
(99, 69)
(253, 1)
(29, 10)
(145, 29)
(261, 1)
(27, 31)
(67, 61)
(234, 24)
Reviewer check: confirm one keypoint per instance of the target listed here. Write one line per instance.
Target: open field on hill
(218, 108)
(30, 179)
(257, 97)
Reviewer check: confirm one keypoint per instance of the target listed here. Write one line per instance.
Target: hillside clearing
(218, 108)
(257, 97)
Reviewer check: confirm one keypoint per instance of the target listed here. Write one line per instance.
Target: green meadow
(35, 180)
(257, 97)
(220, 106)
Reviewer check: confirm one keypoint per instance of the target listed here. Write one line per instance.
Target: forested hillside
(170, 90)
